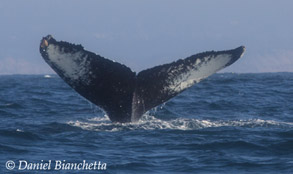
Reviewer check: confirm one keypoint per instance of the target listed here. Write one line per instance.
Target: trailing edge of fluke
(124, 95)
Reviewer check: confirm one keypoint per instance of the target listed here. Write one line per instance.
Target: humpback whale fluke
(124, 95)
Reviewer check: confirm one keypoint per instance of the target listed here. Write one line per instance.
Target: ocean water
(228, 123)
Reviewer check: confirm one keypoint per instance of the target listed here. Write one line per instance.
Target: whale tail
(124, 95)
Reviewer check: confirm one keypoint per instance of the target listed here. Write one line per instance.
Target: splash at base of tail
(124, 95)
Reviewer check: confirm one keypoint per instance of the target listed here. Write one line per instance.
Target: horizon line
(3, 74)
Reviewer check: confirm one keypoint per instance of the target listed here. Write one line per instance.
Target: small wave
(19, 130)
(11, 105)
(47, 76)
(19, 133)
(5, 149)
(148, 122)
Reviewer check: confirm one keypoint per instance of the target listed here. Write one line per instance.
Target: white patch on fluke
(75, 66)
(198, 71)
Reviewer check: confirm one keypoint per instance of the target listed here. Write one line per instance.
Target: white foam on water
(47, 76)
(19, 130)
(148, 122)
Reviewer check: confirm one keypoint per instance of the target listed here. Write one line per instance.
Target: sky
(145, 33)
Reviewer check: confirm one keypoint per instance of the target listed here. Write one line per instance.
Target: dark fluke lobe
(124, 95)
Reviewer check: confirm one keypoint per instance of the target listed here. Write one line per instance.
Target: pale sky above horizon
(142, 34)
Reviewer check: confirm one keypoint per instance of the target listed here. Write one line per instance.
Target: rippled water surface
(228, 123)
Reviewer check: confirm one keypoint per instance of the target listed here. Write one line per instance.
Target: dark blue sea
(228, 123)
